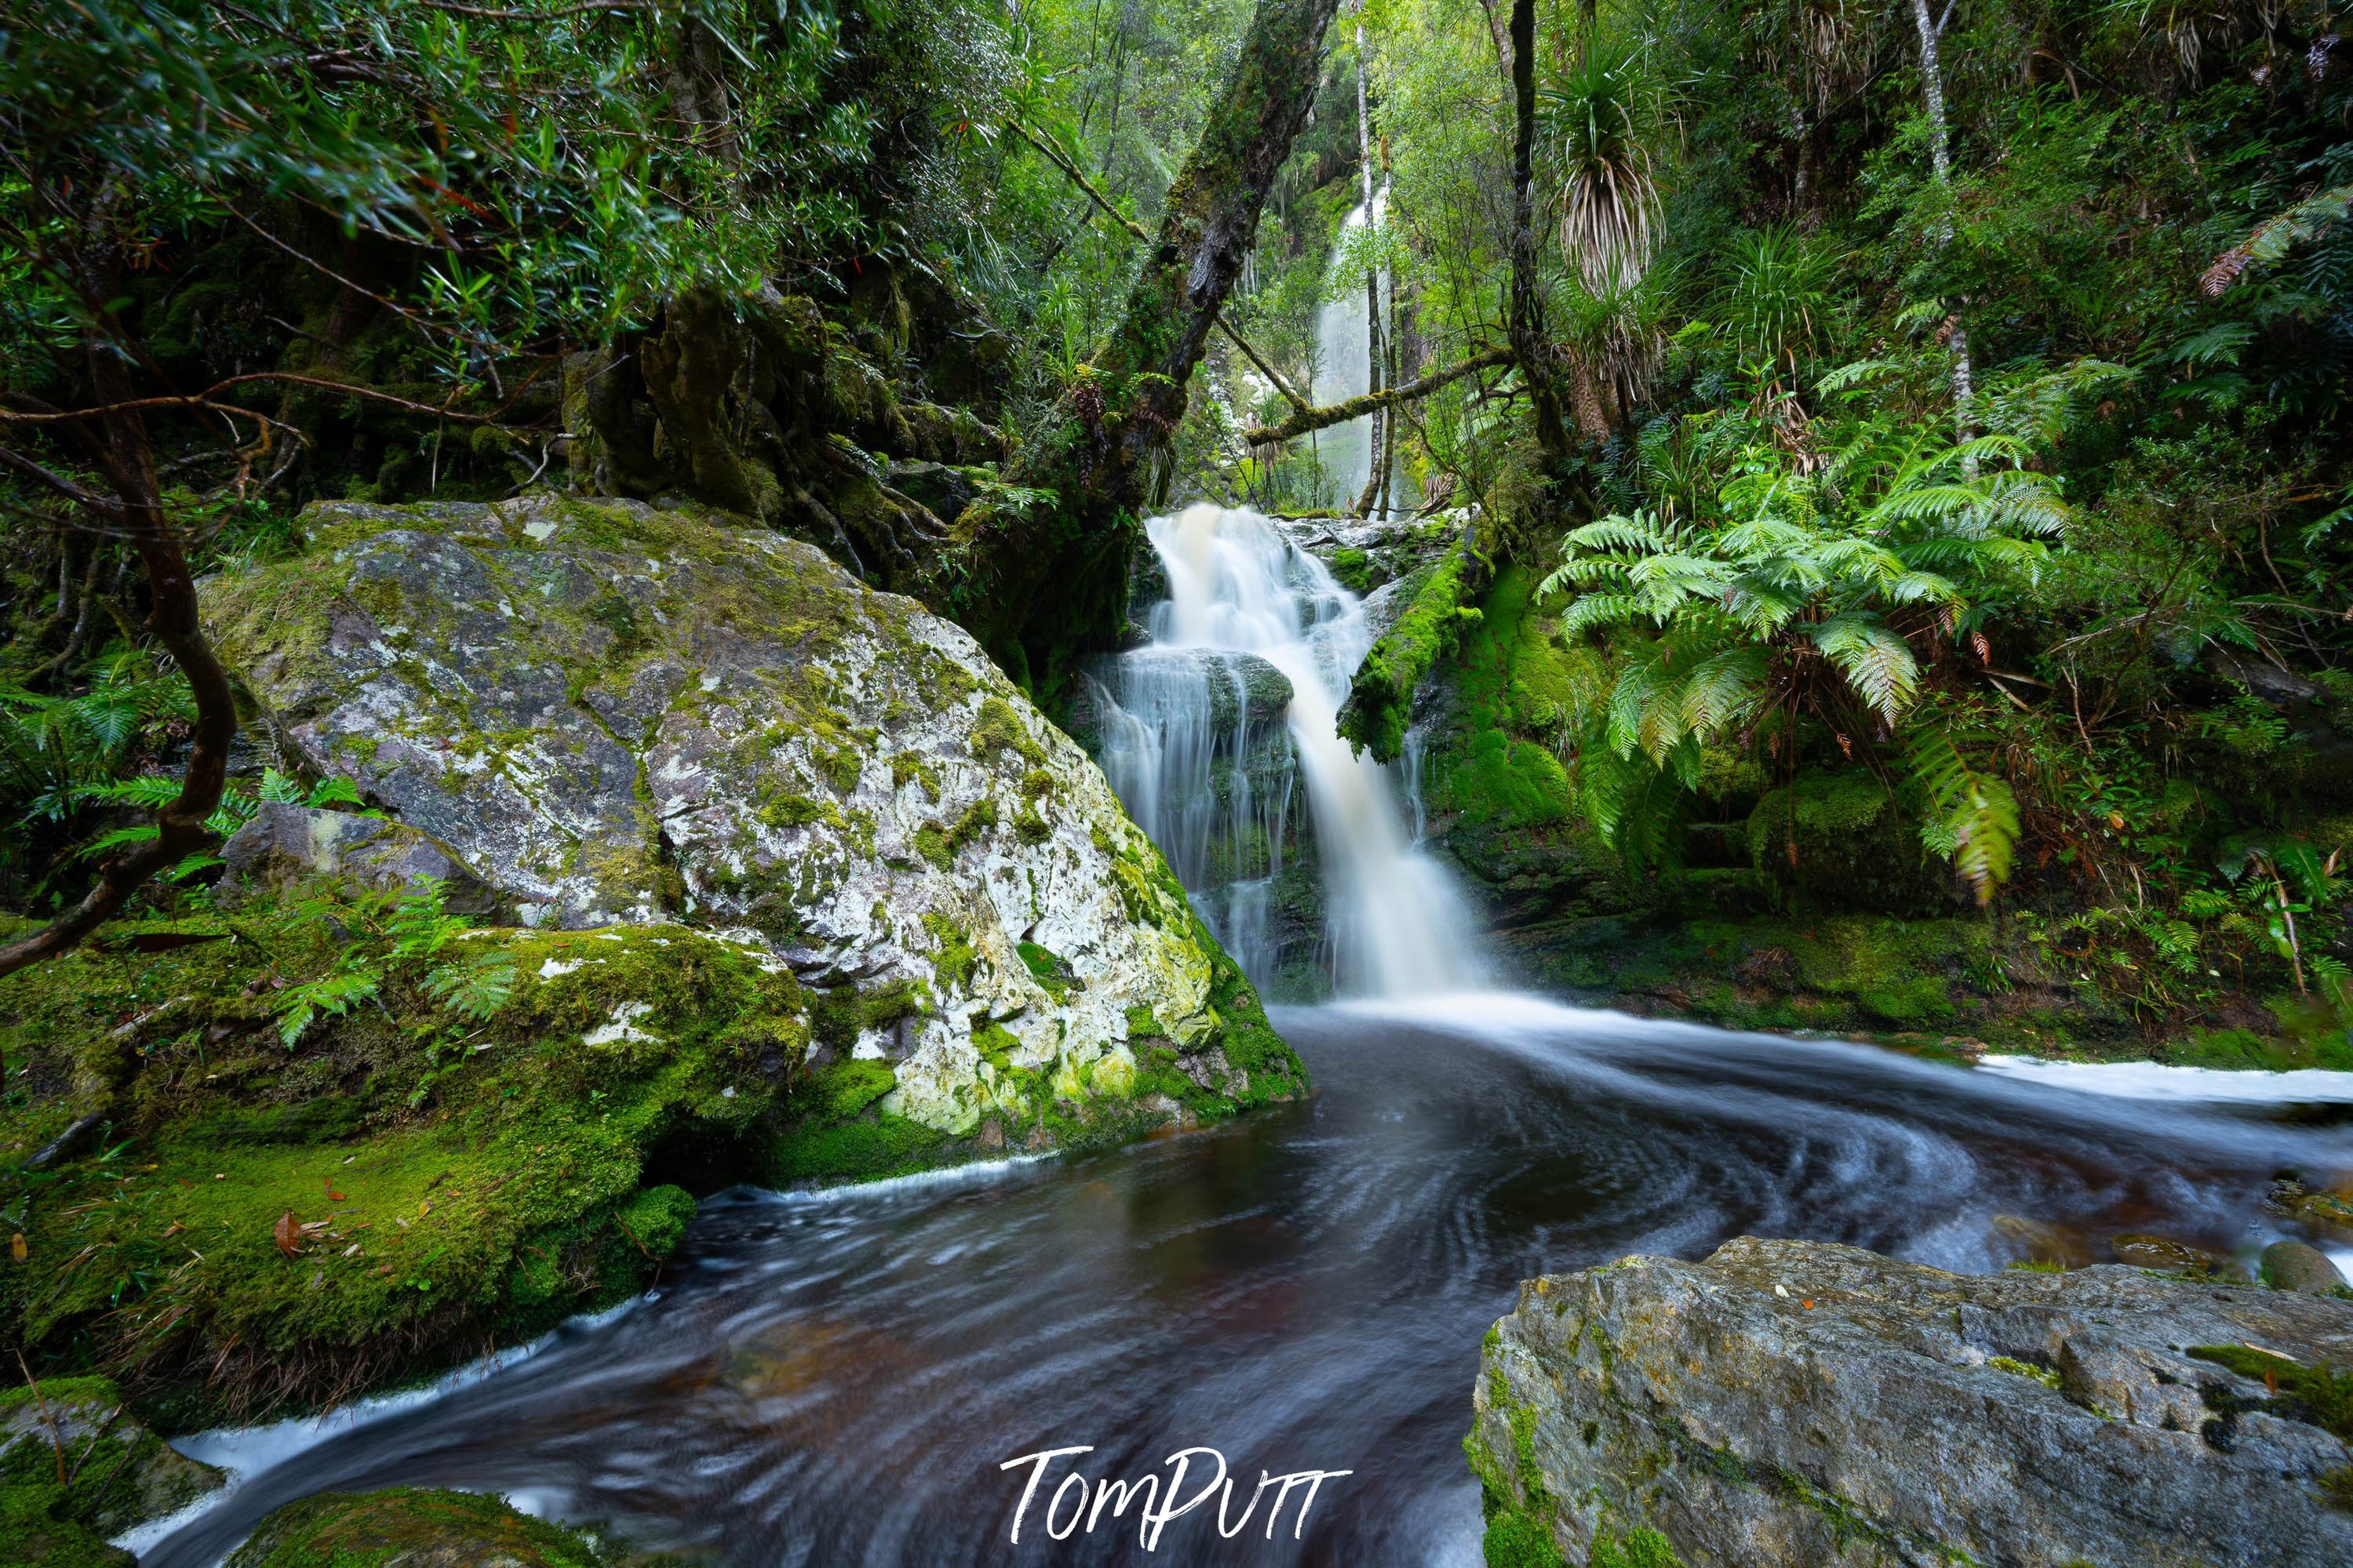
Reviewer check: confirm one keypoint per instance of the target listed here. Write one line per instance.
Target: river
(836, 1378)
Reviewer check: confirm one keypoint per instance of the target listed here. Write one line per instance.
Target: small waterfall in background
(1211, 754)
(1343, 370)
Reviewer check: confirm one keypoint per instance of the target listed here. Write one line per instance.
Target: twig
(47, 1419)
(205, 399)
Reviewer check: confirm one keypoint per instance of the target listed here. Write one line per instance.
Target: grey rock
(2297, 1267)
(1385, 604)
(1802, 1403)
(613, 713)
(285, 844)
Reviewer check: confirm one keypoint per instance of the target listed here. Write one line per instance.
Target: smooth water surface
(834, 1379)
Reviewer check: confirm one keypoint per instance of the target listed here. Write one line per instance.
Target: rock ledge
(1807, 1403)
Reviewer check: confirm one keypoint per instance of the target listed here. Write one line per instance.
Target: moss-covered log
(1302, 420)
(1380, 699)
(1042, 569)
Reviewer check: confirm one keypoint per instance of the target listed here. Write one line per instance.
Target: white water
(1395, 924)
(1343, 370)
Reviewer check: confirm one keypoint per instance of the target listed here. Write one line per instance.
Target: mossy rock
(271, 1226)
(410, 1527)
(117, 1474)
(614, 712)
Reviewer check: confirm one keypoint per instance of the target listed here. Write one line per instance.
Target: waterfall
(1178, 744)
(1343, 359)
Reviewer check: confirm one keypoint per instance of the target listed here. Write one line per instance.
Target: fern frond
(1975, 823)
(1875, 661)
(1720, 690)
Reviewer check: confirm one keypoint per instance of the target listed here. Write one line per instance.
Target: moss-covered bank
(1816, 907)
(407, 1526)
(278, 1214)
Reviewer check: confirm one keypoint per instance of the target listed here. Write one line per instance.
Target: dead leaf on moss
(289, 1234)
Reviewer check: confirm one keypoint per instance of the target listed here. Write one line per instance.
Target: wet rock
(2166, 1256)
(117, 1474)
(2331, 1210)
(610, 712)
(409, 1527)
(2043, 1244)
(1807, 1403)
(2295, 1266)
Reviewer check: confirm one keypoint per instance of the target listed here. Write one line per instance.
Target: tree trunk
(1372, 356)
(1040, 581)
(1526, 315)
(137, 513)
(1932, 88)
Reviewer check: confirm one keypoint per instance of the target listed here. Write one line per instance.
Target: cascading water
(1180, 747)
(1343, 370)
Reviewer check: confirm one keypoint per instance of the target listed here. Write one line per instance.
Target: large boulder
(610, 712)
(1806, 1403)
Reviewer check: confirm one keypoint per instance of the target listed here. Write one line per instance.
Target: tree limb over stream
(1302, 420)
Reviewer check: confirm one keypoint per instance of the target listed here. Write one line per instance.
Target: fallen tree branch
(1307, 419)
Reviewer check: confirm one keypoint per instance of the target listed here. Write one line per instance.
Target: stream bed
(836, 1378)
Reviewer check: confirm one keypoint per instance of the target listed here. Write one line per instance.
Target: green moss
(1518, 1539)
(116, 1474)
(2320, 1394)
(456, 1186)
(1049, 969)
(996, 1044)
(1513, 680)
(954, 958)
(998, 727)
(409, 1524)
(855, 1151)
(1380, 696)
(1636, 1548)
(2041, 1374)
(907, 766)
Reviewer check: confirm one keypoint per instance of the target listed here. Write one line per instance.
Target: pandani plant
(1799, 592)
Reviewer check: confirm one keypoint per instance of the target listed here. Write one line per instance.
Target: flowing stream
(837, 1378)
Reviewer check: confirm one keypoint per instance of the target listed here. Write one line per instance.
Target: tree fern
(1975, 824)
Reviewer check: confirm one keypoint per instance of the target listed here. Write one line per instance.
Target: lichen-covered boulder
(76, 1467)
(612, 712)
(1809, 1405)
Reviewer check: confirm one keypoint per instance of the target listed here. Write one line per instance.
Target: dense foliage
(1954, 406)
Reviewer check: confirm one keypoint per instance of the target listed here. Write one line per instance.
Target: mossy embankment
(279, 1213)
(1816, 908)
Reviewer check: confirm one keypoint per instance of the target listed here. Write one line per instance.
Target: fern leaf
(1976, 822)
(1876, 663)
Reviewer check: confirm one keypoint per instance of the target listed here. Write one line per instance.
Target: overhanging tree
(1038, 569)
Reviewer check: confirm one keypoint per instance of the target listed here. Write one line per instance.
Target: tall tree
(1940, 160)
(1375, 467)
(1528, 344)
(1038, 569)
